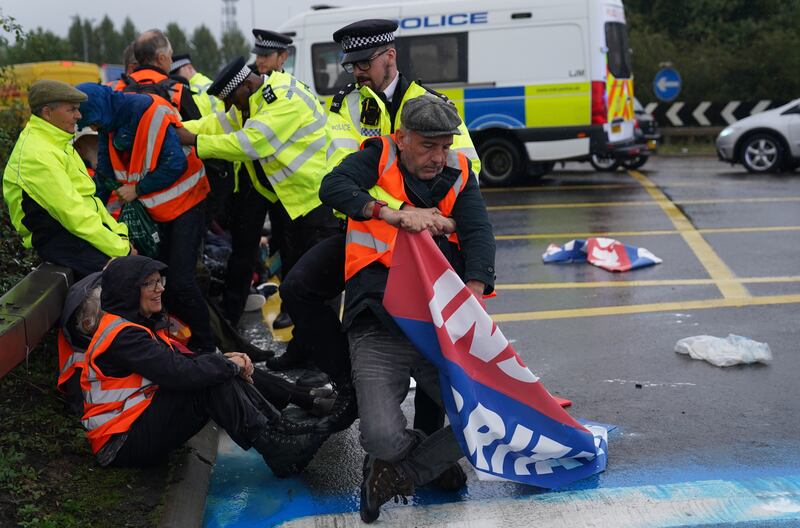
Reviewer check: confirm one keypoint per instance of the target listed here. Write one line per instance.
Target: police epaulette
(336, 102)
(432, 91)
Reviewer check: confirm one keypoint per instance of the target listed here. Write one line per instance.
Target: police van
(536, 81)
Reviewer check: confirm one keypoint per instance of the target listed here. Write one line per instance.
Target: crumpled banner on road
(606, 253)
(507, 423)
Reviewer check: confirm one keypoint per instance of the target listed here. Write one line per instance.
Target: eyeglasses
(151, 284)
(363, 65)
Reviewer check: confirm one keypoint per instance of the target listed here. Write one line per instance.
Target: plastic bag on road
(726, 352)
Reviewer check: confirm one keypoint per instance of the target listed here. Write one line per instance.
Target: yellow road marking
(678, 306)
(611, 234)
(714, 265)
(641, 203)
(641, 283)
(601, 186)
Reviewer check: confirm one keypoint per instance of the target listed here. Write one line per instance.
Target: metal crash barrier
(29, 310)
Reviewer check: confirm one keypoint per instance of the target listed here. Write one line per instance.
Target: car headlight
(727, 131)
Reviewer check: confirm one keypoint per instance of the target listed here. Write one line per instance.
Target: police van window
(619, 58)
(329, 77)
(288, 66)
(434, 58)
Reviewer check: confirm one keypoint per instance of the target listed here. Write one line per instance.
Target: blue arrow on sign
(667, 84)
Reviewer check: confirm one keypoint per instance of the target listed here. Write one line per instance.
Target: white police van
(536, 81)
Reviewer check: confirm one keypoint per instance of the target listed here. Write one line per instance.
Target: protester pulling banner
(507, 423)
(606, 253)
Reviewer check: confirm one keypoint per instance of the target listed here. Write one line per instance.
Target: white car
(764, 142)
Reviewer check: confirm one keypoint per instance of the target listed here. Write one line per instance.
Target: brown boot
(382, 481)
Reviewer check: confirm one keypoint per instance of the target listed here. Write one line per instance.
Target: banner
(507, 423)
(606, 253)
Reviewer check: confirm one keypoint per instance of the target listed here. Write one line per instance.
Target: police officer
(183, 69)
(366, 108)
(276, 124)
(271, 50)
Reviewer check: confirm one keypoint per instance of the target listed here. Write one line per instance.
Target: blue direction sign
(667, 84)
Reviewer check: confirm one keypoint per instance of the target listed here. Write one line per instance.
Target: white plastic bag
(732, 350)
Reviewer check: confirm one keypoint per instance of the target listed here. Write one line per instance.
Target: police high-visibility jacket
(130, 167)
(371, 241)
(285, 134)
(207, 104)
(356, 114)
(47, 189)
(112, 404)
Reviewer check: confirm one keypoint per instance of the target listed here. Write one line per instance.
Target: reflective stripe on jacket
(150, 76)
(207, 104)
(70, 360)
(111, 404)
(371, 241)
(131, 167)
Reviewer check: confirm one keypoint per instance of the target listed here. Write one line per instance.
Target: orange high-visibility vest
(111, 405)
(70, 360)
(130, 167)
(373, 240)
(150, 76)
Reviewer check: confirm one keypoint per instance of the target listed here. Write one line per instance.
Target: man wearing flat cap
(418, 167)
(49, 193)
(276, 126)
(271, 50)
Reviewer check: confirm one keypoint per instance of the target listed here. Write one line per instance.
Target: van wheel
(604, 163)
(501, 162)
(635, 162)
(762, 153)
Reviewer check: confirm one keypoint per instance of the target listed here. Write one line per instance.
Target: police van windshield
(288, 66)
(619, 56)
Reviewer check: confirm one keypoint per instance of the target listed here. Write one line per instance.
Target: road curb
(185, 498)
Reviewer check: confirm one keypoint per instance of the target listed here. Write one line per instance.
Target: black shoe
(287, 454)
(345, 409)
(451, 479)
(324, 400)
(287, 361)
(267, 289)
(282, 321)
(312, 379)
(382, 481)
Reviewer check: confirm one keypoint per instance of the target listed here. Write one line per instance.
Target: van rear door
(619, 77)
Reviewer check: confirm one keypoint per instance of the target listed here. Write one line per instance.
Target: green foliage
(206, 56)
(724, 49)
(234, 44)
(177, 37)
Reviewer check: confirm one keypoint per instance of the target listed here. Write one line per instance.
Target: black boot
(451, 479)
(287, 454)
(382, 481)
(282, 321)
(345, 409)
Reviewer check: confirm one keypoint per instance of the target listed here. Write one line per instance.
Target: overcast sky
(56, 15)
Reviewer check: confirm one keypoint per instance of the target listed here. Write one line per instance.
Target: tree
(205, 54)
(176, 36)
(128, 34)
(233, 44)
(110, 42)
(40, 45)
(75, 39)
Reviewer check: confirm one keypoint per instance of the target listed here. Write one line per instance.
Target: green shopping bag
(142, 231)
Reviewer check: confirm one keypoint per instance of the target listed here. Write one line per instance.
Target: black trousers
(180, 249)
(70, 251)
(314, 280)
(174, 417)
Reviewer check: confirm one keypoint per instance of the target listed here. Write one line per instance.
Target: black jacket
(134, 351)
(344, 190)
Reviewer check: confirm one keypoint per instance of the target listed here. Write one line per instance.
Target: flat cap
(359, 39)
(46, 91)
(269, 41)
(179, 61)
(229, 78)
(430, 116)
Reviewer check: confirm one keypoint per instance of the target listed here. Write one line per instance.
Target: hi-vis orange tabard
(111, 405)
(373, 240)
(131, 167)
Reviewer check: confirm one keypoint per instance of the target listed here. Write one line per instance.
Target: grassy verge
(48, 477)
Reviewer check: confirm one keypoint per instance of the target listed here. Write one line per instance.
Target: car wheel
(762, 153)
(501, 162)
(604, 163)
(635, 162)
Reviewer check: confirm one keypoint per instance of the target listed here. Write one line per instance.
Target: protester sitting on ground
(49, 193)
(143, 398)
(140, 151)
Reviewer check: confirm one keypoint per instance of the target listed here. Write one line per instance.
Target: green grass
(48, 476)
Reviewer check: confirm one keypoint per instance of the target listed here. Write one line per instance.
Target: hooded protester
(143, 398)
(138, 147)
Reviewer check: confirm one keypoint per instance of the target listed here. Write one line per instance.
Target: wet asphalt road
(730, 244)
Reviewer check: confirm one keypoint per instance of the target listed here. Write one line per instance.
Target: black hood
(75, 297)
(121, 281)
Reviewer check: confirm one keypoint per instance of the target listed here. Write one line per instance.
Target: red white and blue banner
(605, 253)
(507, 423)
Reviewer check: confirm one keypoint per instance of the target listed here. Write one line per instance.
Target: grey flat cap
(46, 91)
(430, 116)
